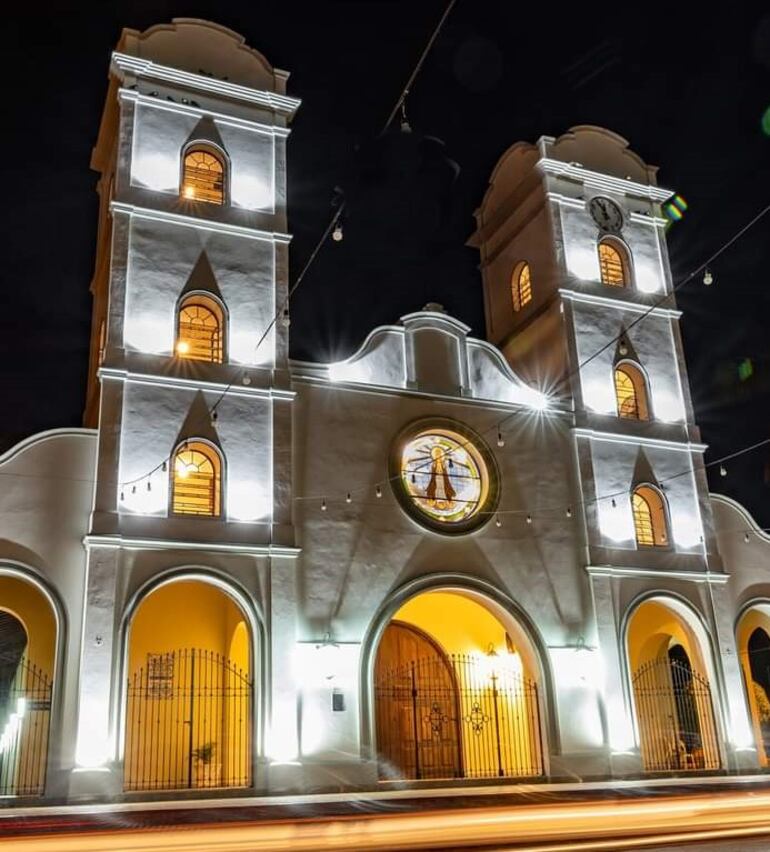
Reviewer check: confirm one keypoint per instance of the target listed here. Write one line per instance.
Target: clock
(606, 214)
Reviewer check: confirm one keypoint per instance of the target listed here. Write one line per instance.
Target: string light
(348, 498)
(498, 522)
(614, 504)
(378, 491)
(337, 234)
(708, 278)
(529, 519)
(500, 439)
(133, 489)
(246, 379)
(164, 466)
(623, 349)
(722, 470)
(323, 504)
(569, 511)
(149, 485)
(746, 538)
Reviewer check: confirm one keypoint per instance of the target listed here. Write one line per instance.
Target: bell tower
(192, 263)
(578, 296)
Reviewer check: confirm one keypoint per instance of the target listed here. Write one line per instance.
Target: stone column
(96, 774)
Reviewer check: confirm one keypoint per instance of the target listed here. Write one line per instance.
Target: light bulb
(498, 522)
(337, 233)
(569, 511)
(708, 278)
(623, 349)
(348, 498)
(529, 519)
(378, 491)
(614, 504)
(722, 470)
(164, 467)
(149, 485)
(183, 347)
(246, 380)
(746, 538)
(500, 439)
(182, 471)
(189, 192)
(323, 504)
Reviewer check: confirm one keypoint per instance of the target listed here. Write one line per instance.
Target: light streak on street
(569, 827)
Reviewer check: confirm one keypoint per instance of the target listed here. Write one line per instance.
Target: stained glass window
(444, 476)
(203, 177)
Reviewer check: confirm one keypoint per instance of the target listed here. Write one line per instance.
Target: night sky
(688, 88)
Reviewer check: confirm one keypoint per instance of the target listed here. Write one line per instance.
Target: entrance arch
(456, 693)
(753, 641)
(28, 636)
(669, 664)
(189, 693)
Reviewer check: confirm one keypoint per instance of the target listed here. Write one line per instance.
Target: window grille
(196, 482)
(649, 517)
(203, 177)
(521, 287)
(611, 266)
(630, 392)
(199, 335)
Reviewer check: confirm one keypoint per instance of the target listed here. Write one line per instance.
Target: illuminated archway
(189, 700)
(631, 392)
(28, 637)
(204, 174)
(671, 684)
(456, 692)
(200, 329)
(614, 263)
(753, 642)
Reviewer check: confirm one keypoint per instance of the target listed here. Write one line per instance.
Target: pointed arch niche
(671, 678)
(189, 707)
(753, 642)
(456, 687)
(28, 642)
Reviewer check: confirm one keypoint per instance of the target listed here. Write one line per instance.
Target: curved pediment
(431, 352)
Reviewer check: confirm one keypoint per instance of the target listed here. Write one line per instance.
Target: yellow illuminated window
(199, 333)
(521, 286)
(203, 177)
(631, 394)
(196, 480)
(612, 265)
(649, 517)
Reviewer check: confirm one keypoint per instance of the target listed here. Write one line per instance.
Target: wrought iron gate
(25, 715)
(188, 723)
(675, 713)
(457, 717)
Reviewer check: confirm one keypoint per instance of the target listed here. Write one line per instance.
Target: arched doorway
(754, 649)
(189, 693)
(27, 659)
(456, 692)
(671, 688)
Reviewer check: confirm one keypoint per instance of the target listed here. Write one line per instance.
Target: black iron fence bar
(464, 720)
(25, 713)
(188, 725)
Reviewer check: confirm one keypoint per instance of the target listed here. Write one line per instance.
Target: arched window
(196, 480)
(521, 286)
(649, 517)
(200, 329)
(613, 264)
(631, 392)
(203, 175)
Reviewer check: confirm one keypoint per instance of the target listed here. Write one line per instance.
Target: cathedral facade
(443, 561)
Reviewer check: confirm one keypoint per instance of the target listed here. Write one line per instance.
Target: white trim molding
(616, 438)
(694, 576)
(187, 109)
(118, 542)
(123, 64)
(602, 181)
(196, 222)
(178, 383)
(607, 302)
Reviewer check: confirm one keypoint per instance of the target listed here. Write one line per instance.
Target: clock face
(444, 479)
(606, 214)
